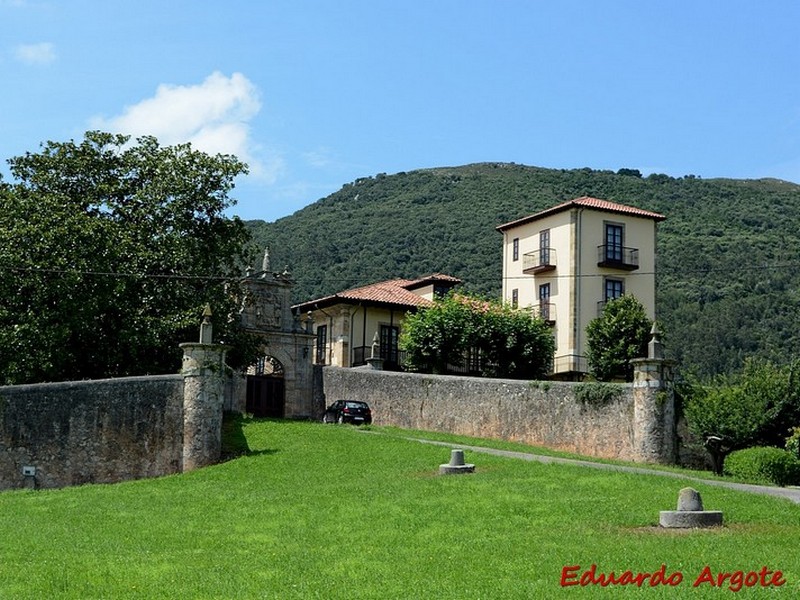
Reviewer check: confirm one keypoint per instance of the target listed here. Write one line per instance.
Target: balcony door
(544, 301)
(614, 289)
(389, 335)
(544, 247)
(614, 242)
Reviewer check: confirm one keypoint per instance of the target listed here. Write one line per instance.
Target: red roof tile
(586, 202)
(396, 292)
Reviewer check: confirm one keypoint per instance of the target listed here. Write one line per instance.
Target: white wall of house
(351, 328)
(577, 284)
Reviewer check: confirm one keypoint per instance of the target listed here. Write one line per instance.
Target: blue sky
(314, 94)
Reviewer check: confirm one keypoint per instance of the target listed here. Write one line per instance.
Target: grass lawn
(328, 511)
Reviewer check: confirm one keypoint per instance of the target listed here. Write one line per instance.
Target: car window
(356, 405)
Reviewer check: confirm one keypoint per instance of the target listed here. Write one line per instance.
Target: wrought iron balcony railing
(545, 311)
(618, 257)
(539, 261)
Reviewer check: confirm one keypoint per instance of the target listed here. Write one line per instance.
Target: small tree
(438, 335)
(511, 342)
(616, 337)
(756, 407)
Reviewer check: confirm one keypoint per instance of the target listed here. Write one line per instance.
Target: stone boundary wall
(91, 431)
(544, 413)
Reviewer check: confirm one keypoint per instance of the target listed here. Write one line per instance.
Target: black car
(348, 411)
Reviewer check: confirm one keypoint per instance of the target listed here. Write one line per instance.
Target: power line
(348, 280)
(118, 274)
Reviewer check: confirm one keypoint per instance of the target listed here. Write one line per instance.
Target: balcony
(618, 257)
(545, 311)
(569, 364)
(540, 261)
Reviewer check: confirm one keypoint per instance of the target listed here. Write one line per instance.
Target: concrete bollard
(456, 464)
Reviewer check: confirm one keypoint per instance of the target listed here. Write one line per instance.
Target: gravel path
(792, 494)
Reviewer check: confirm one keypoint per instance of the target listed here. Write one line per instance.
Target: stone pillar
(654, 432)
(204, 381)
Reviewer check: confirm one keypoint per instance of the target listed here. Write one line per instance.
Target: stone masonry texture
(538, 413)
(91, 431)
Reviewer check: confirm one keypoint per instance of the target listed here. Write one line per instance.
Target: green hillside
(728, 261)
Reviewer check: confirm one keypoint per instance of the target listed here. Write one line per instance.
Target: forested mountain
(728, 282)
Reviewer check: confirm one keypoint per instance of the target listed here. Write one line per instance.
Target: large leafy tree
(620, 334)
(510, 342)
(109, 249)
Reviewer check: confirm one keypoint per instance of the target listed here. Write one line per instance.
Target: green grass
(318, 511)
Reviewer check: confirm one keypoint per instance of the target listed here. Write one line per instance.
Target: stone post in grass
(204, 377)
(654, 431)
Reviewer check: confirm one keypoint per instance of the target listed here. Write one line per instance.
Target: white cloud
(213, 116)
(36, 54)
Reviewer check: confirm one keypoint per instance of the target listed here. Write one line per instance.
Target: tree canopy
(109, 249)
(499, 340)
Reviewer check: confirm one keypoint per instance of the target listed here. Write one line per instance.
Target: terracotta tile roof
(585, 202)
(395, 292)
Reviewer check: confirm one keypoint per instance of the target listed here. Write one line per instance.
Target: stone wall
(91, 431)
(538, 413)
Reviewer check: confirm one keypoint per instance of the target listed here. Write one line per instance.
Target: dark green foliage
(757, 406)
(728, 252)
(597, 394)
(616, 337)
(108, 254)
(511, 343)
(439, 336)
(768, 465)
(793, 442)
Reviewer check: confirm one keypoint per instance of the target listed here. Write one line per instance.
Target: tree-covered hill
(728, 253)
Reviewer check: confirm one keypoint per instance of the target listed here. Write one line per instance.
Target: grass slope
(335, 512)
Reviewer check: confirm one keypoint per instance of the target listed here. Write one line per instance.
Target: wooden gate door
(265, 396)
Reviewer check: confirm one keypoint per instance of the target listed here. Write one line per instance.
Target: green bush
(793, 442)
(763, 465)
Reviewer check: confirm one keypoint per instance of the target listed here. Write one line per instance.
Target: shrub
(597, 394)
(763, 464)
(509, 342)
(793, 442)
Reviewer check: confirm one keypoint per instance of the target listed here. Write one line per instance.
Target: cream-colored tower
(565, 262)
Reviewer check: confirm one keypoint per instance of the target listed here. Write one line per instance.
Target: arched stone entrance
(266, 388)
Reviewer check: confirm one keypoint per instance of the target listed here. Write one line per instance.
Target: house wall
(91, 431)
(639, 233)
(577, 284)
(528, 234)
(363, 334)
(351, 327)
(427, 292)
(337, 347)
(631, 427)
